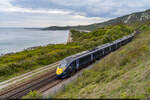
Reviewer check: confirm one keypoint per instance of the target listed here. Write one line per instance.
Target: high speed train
(73, 63)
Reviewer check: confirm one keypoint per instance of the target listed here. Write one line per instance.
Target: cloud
(90, 8)
(6, 6)
(13, 15)
(43, 20)
(36, 13)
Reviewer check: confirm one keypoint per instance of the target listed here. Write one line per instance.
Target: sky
(43, 13)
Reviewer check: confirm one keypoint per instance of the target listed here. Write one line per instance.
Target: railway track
(27, 75)
(34, 84)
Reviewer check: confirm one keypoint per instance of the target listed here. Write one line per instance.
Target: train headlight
(59, 71)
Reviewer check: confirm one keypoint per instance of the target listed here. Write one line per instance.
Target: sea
(17, 39)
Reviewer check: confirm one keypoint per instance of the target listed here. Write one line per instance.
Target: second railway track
(34, 84)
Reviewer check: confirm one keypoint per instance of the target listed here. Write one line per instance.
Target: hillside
(127, 19)
(122, 74)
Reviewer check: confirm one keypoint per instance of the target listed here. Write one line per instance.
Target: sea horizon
(16, 39)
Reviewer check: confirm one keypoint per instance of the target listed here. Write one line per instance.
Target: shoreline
(34, 47)
(29, 48)
(69, 39)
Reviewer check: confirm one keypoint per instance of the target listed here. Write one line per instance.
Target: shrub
(124, 95)
(32, 95)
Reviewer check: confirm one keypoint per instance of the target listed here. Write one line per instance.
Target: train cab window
(62, 64)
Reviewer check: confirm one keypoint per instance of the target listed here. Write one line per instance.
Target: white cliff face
(126, 21)
(139, 17)
(69, 37)
(144, 16)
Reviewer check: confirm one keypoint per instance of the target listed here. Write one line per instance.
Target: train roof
(70, 58)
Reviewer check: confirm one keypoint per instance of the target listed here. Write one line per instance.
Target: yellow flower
(149, 66)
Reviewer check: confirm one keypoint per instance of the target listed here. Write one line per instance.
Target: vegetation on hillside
(27, 60)
(122, 74)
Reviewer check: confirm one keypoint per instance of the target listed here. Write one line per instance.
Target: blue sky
(43, 13)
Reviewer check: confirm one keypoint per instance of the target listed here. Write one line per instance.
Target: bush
(32, 95)
(124, 95)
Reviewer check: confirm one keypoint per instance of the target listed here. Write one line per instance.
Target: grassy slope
(122, 74)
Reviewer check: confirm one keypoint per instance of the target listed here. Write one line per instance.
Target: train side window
(106, 49)
(96, 54)
(73, 63)
(101, 52)
(84, 60)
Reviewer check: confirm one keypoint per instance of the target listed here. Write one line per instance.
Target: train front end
(61, 69)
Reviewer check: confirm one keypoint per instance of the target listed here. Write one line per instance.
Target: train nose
(59, 71)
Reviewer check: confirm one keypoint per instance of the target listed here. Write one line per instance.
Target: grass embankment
(15, 64)
(124, 73)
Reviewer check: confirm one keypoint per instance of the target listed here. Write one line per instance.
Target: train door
(92, 58)
(118, 44)
(113, 46)
(73, 66)
(110, 48)
(101, 53)
(77, 64)
(96, 55)
(106, 50)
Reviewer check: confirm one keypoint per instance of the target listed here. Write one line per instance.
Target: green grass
(124, 73)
